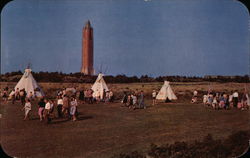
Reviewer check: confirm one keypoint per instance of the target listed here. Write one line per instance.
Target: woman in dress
(73, 106)
(27, 108)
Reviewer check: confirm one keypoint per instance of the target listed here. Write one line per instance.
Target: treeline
(81, 78)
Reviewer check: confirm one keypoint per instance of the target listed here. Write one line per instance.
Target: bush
(232, 146)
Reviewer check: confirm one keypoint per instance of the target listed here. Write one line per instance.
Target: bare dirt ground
(107, 129)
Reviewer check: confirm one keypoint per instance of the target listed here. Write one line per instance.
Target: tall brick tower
(87, 50)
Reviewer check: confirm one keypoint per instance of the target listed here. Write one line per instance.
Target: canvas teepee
(28, 83)
(166, 92)
(99, 86)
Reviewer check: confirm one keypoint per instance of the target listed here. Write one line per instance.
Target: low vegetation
(235, 145)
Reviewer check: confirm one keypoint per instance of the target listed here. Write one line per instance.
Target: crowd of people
(19, 94)
(224, 100)
(135, 99)
(88, 95)
(66, 103)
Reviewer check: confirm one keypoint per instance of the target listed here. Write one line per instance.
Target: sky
(139, 37)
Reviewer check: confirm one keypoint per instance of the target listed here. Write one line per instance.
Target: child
(27, 108)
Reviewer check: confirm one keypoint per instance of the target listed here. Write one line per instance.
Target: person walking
(141, 101)
(27, 108)
(41, 105)
(73, 105)
(125, 98)
(23, 96)
(47, 111)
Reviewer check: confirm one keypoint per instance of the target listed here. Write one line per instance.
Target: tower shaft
(87, 50)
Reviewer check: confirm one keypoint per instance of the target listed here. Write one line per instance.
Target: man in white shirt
(47, 111)
(154, 97)
(235, 98)
(59, 106)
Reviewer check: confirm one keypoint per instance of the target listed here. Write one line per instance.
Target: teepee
(99, 86)
(28, 83)
(166, 92)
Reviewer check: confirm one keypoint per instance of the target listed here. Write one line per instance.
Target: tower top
(87, 25)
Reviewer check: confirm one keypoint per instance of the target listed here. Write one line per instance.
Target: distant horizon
(127, 75)
(134, 38)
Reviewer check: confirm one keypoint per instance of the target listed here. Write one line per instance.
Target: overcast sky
(153, 37)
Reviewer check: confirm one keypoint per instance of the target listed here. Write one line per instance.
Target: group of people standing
(89, 96)
(225, 101)
(134, 100)
(17, 94)
(66, 107)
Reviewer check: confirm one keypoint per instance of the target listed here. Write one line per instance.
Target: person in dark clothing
(81, 95)
(23, 96)
(141, 101)
(103, 95)
(235, 98)
(125, 99)
(59, 106)
(41, 105)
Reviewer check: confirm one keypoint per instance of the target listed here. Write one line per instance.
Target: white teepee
(99, 86)
(166, 92)
(28, 83)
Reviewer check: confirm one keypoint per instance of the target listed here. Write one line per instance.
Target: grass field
(107, 129)
(103, 130)
(183, 90)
